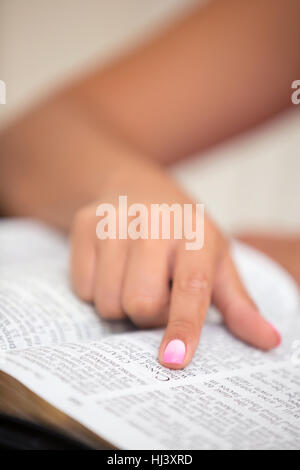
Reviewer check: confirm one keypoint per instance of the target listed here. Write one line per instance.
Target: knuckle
(81, 217)
(109, 307)
(142, 306)
(185, 327)
(192, 283)
(81, 281)
(82, 289)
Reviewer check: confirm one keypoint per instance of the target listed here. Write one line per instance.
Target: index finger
(190, 299)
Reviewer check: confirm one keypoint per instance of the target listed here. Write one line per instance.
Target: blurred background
(249, 182)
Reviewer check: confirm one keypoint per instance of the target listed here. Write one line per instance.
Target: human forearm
(221, 70)
(56, 160)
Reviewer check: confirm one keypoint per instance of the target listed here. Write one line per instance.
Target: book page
(25, 241)
(37, 305)
(230, 396)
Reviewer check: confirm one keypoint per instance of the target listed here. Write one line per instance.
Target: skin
(131, 277)
(222, 69)
(284, 249)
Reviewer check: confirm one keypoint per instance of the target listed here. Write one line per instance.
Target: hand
(132, 277)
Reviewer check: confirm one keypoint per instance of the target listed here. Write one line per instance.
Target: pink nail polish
(174, 352)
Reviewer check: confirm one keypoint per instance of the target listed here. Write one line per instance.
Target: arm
(108, 135)
(220, 70)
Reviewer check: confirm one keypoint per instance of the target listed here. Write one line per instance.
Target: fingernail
(174, 352)
(277, 334)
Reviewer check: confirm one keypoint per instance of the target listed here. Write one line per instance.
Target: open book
(101, 382)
